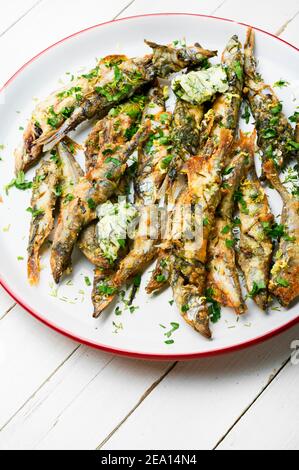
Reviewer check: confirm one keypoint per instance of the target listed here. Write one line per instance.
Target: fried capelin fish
(223, 278)
(115, 79)
(275, 134)
(153, 158)
(44, 195)
(284, 282)
(256, 247)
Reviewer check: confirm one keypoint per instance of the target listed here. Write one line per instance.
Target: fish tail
(33, 266)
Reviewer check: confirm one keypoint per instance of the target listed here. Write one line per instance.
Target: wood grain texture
(51, 21)
(14, 11)
(55, 394)
(82, 403)
(272, 423)
(198, 401)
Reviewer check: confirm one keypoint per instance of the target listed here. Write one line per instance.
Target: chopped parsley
(137, 280)
(105, 289)
(225, 230)
(269, 133)
(276, 109)
(185, 308)
(238, 69)
(257, 288)
(19, 182)
(281, 84)
(246, 115)
(238, 197)
(228, 170)
(160, 278)
(91, 204)
(230, 243)
(282, 282)
(214, 307)
(87, 281)
(35, 212)
(294, 117)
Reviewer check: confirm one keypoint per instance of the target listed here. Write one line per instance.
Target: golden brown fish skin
(113, 130)
(256, 248)
(169, 59)
(186, 133)
(95, 93)
(223, 276)
(150, 175)
(204, 172)
(92, 190)
(227, 106)
(88, 244)
(189, 297)
(284, 282)
(43, 200)
(273, 128)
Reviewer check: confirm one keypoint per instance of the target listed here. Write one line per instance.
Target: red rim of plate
(124, 352)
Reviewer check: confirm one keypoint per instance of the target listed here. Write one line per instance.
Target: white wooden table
(56, 394)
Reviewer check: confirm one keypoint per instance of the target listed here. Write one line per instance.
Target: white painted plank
(267, 14)
(29, 353)
(49, 22)
(273, 421)
(198, 401)
(205, 7)
(13, 11)
(82, 403)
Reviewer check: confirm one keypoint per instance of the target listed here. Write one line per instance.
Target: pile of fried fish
(194, 155)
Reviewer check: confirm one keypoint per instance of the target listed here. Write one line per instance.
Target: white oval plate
(68, 309)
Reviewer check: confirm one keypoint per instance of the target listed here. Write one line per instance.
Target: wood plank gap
(285, 25)
(219, 6)
(41, 386)
(21, 17)
(272, 378)
(8, 311)
(141, 400)
(124, 9)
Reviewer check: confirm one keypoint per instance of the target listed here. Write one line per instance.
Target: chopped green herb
(238, 69)
(230, 243)
(58, 190)
(257, 287)
(214, 307)
(185, 308)
(282, 282)
(166, 161)
(246, 115)
(160, 278)
(118, 311)
(91, 204)
(35, 212)
(69, 197)
(87, 281)
(292, 145)
(137, 280)
(269, 133)
(276, 109)
(294, 117)
(105, 289)
(169, 341)
(281, 84)
(19, 182)
(20, 258)
(225, 230)
(228, 170)
(171, 302)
